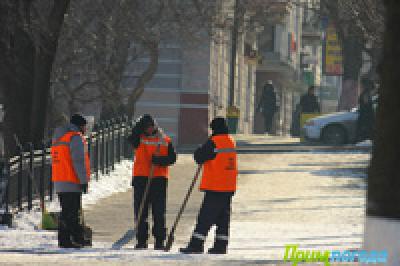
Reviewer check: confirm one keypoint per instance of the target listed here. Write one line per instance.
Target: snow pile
(118, 181)
(366, 143)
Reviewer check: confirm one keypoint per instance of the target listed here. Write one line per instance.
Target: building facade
(191, 85)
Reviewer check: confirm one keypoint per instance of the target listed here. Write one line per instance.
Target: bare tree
(360, 25)
(122, 31)
(29, 32)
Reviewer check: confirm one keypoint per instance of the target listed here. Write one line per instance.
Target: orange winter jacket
(62, 165)
(220, 174)
(144, 153)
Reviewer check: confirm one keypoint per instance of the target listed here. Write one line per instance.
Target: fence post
(107, 129)
(51, 185)
(116, 142)
(97, 151)
(4, 180)
(6, 217)
(89, 147)
(127, 151)
(113, 151)
(6, 172)
(43, 171)
(102, 153)
(94, 135)
(30, 175)
(89, 144)
(20, 177)
(121, 138)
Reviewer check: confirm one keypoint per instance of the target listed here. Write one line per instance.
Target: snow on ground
(316, 200)
(365, 143)
(25, 231)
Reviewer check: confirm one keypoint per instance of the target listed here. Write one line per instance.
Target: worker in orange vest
(154, 150)
(70, 176)
(219, 159)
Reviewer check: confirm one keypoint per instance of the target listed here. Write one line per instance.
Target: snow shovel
(170, 239)
(130, 234)
(49, 220)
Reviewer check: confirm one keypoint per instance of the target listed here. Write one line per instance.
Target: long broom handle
(183, 206)
(146, 192)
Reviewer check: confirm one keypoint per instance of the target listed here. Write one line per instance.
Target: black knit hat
(146, 121)
(219, 125)
(78, 120)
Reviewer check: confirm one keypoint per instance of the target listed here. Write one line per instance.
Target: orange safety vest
(144, 154)
(220, 174)
(62, 166)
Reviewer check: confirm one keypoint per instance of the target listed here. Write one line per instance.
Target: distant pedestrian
(268, 106)
(366, 113)
(70, 176)
(152, 147)
(309, 102)
(219, 159)
(295, 130)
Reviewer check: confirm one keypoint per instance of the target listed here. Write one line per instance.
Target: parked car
(335, 129)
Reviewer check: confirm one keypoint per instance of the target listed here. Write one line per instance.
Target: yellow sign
(333, 52)
(232, 111)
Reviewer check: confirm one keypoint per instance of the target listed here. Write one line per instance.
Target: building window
(267, 39)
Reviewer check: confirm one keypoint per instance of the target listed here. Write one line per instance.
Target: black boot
(64, 239)
(159, 244)
(195, 246)
(220, 247)
(69, 245)
(141, 245)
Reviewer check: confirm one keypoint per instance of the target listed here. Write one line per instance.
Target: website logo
(295, 255)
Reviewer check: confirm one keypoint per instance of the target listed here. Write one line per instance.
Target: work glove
(84, 188)
(157, 160)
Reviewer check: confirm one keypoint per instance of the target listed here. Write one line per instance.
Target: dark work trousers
(268, 120)
(69, 228)
(215, 210)
(156, 199)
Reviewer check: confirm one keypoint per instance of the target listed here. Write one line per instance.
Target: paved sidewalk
(111, 217)
(314, 199)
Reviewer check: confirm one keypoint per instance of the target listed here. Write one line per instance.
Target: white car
(335, 128)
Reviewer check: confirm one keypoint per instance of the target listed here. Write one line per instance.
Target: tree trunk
(18, 89)
(383, 198)
(26, 71)
(384, 175)
(147, 75)
(352, 63)
(111, 100)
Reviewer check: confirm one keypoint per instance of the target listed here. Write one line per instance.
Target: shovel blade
(125, 239)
